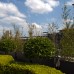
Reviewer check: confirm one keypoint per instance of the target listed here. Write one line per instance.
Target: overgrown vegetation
(67, 43)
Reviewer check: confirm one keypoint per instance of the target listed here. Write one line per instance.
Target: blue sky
(37, 12)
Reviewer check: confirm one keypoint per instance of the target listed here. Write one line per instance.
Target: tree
(7, 34)
(18, 42)
(67, 39)
(52, 34)
(39, 47)
(66, 17)
(67, 43)
(52, 30)
(11, 43)
(31, 27)
(6, 42)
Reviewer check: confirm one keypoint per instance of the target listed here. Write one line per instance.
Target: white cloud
(37, 29)
(10, 21)
(37, 26)
(70, 2)
(41, 6)
(7, 9)
(9, 14)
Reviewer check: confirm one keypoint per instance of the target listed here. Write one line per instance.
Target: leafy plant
(6, 45)
(39, 47)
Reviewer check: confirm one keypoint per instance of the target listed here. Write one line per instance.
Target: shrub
(39, 47)
(6, 45)
(6, 59)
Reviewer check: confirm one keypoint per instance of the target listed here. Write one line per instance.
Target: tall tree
(52, 30)
(66, 16)
(7, 34)
(18, 41)
(6, 42)
(67, 40)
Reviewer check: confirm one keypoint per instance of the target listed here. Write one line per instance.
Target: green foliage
(38, 69)
(15, 69)
(5, 59)
(6, 45)
(67, 43)
(39, 47)
(28, 69)
(10, 43)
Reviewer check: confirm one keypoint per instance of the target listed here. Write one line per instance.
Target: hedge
(6, 59)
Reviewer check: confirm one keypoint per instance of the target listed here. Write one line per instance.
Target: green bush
(6, 59)
(39, 47)
(6, 45)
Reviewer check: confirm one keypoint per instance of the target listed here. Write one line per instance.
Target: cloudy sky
(37, 12)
